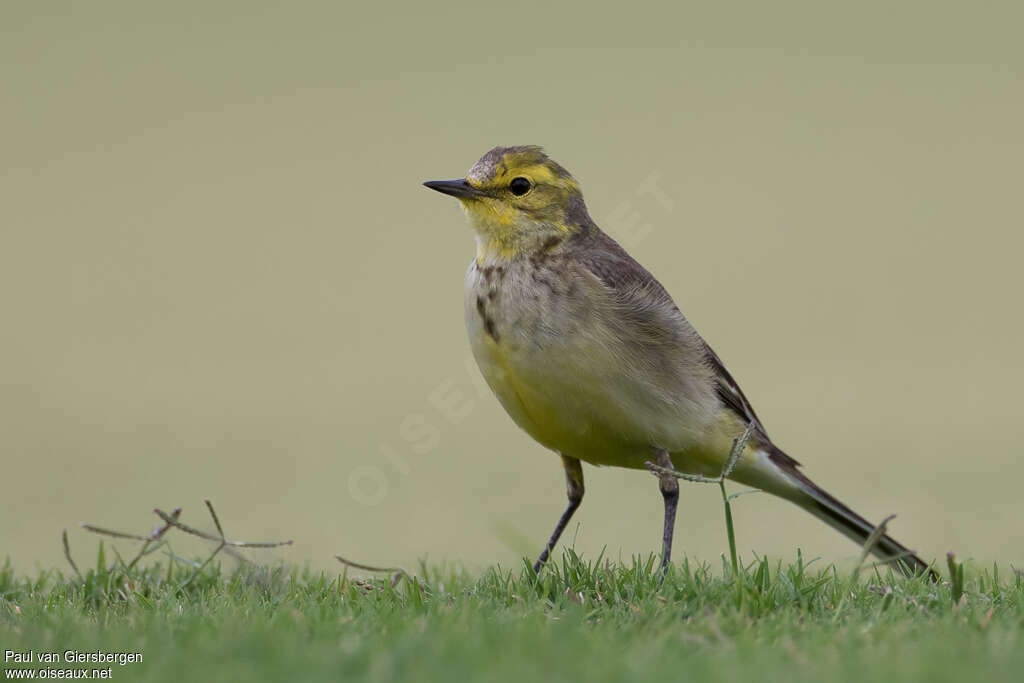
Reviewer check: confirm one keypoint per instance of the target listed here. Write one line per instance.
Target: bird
(589, 354)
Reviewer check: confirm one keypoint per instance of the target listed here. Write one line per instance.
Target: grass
(580, 620)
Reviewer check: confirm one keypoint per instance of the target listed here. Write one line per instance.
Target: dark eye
(519, 186)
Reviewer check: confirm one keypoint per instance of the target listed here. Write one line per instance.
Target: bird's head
(518, 201)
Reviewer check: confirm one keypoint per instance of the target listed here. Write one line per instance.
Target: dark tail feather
(849, 523)
(827, 508)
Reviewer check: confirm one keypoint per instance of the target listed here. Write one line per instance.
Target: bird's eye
(519, 186)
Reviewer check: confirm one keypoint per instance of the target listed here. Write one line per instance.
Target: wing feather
(637, 288)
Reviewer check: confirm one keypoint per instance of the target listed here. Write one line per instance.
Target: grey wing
(729, 391)
(641, 292)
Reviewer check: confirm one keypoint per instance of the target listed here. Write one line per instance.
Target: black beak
(456, 188)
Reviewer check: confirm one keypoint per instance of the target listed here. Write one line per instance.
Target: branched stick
(221, 540)
(397, 573)
(67, 552)
(114, 534)
(227, 548)
(218, 539)
(147, 541)
(156, 537)
(184, 527)
(158, 533)
(216, 522)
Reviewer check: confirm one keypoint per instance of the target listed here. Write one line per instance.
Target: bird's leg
(574, 491)
(669, 486)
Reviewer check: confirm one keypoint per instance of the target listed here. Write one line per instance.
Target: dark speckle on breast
(489, 328)
(490, 273)
(488, 322)
(550, 243)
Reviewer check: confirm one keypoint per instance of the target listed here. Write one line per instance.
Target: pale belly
(565, 410)
(560, 408)
(571, 396)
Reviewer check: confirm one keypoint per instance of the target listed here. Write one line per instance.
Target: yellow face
(516, 199)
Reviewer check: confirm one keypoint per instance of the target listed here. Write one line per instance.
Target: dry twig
(397, 573)
(156, 537)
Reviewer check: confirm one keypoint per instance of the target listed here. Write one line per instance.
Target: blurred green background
(220, 276)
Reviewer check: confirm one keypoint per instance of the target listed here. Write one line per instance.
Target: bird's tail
(796, 487)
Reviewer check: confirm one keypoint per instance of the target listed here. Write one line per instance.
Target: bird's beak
(456, 188)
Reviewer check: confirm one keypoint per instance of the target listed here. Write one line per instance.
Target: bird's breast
(541, 338)
(514, 335)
